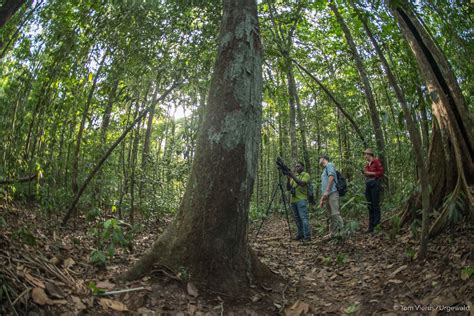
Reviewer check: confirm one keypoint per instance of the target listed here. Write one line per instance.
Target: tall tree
(209, 235)
(413, 132)
(450, 159)
(374, 115)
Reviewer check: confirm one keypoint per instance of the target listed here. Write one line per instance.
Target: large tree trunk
(374, 115)
(8, 9)
(450, 164)
(209, 235)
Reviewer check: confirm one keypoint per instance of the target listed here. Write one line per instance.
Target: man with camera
(330, 196)
(297, 185)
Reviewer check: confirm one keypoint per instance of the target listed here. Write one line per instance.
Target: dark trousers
(372, 194)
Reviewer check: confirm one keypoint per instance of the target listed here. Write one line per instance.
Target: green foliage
(351, 309)
(349, 229)
(183, 273)
(395, 225)
(110, 236)
(410, 253)
(341, 258)
(25, 236)
(95, 290)
(455, 203)
(467, 272)
(414, 227)
(97, 258)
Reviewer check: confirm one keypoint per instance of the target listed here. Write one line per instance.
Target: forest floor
(45, 270)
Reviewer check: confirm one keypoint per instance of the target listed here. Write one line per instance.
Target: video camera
(282, 166)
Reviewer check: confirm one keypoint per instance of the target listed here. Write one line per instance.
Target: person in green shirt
(297, 185)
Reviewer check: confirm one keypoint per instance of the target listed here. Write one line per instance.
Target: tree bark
(450, 159)
(209, 235)
(8, 10)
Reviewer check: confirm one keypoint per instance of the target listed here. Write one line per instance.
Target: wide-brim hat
(368, 151)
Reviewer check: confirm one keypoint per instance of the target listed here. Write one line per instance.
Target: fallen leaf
(105, 285)
(39, 296)
(57, 302)
(192, 290)
(54, 291)
(112, 304)
(78, 302)
(297, 309)
(69, 262)
(55, 260)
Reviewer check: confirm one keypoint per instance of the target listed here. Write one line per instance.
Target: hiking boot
(298, 238)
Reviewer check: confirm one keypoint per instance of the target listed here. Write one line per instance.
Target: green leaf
(466, 273)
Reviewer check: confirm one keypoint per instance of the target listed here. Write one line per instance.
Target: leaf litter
(361, 275)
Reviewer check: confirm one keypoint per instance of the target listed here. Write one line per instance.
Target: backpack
(310, 188)
(341, 183)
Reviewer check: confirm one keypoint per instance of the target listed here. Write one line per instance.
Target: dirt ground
(45, 270)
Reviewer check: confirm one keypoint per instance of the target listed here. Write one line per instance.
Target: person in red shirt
(373, 172)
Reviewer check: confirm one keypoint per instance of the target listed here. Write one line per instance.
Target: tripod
(275, 190)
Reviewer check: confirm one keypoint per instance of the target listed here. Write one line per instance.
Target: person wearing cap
(330, 196)
(297, 181)
(373, 172)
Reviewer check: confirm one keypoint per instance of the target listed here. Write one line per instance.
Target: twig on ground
(122, 291)
(21, 295)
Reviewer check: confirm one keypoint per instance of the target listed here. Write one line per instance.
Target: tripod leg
(286, 207)
(267, 211)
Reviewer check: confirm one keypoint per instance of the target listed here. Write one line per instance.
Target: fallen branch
(19, 180)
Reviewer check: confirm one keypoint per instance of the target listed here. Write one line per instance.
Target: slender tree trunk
(102, 160)
(374, 115)
(415, 138)
(85, 112)
(209, 236)
(108, 113)
(425, 129)
(299, 115)
(292, 107)
(338, 104)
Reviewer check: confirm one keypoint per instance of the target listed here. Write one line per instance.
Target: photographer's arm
(299, 181)
(325, 196)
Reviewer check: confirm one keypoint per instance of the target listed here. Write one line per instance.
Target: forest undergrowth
(46, 270)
